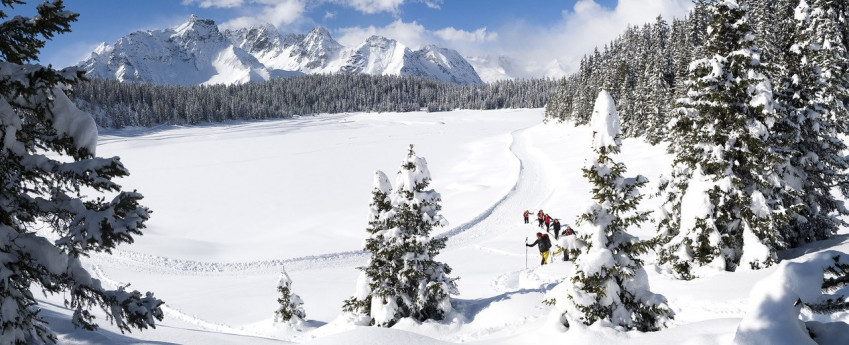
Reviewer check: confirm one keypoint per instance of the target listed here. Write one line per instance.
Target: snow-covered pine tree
(608, 281)
(724, 203)
(403, 278)
(290, 304)
(48, 170)
(658, 82)
(380, 211)
(813, 89)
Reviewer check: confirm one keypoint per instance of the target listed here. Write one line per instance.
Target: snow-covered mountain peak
(318, 52)
(197, 52)
(102, 48)
(197, 29)
(380, 41)
(319, 34)
(318, 47)
(443, 56)
(444, 62)
(252, 39)
(377, 55)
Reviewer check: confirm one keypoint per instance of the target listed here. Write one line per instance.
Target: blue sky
(538, 32)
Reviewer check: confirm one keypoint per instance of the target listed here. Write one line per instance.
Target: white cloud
(435, 4)
(215, 3)
(277, 13)
(282, 13)
(586, 26)
(372, 6)
(416, 36)
(285, 12)
(479, 35)
(412, 34)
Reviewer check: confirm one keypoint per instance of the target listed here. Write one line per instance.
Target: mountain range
(197, 52)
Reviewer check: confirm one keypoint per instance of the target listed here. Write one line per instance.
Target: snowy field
(234, 203)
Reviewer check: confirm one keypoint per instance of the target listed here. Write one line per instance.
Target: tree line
(751, 98)
(645, 69)
(116, 105)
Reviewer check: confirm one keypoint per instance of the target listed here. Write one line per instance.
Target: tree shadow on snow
(60, 323)
(289, 123)
(814, 247)
(471, 308)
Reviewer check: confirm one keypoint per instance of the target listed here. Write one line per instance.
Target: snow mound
(776, 303)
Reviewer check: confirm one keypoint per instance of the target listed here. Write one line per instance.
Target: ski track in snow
(160, 264)
(174, 314)
(529, 185)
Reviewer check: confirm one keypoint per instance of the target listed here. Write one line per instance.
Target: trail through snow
(489, 167)
(485, 233)
(530, 184)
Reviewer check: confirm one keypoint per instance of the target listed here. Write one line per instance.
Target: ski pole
(526, 252)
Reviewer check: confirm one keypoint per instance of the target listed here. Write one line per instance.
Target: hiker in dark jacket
(544, 245)
(556, 225)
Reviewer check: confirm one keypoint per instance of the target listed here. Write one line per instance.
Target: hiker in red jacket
(540, 218)
(526, 214)
(547, 223)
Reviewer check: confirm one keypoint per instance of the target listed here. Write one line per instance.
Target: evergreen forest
(116, 105)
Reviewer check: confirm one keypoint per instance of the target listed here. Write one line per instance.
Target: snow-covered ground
(234, 203)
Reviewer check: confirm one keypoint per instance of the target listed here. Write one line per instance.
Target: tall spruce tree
(53, 190)
(657, 82)
(608, 281)
(811, 94)
(726, 199)
(402, 276)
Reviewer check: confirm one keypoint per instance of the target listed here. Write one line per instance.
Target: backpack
(568, 232)
(545, 244)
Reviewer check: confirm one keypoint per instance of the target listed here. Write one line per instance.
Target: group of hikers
(544, 242)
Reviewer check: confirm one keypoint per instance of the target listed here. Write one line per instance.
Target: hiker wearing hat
(526, 215)
(556, 224)
(540, 218)
(544, 245)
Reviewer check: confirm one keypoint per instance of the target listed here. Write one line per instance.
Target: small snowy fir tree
(608, 281)
(724, 204)
(48, 170)
(402, 277)
(291, 306)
